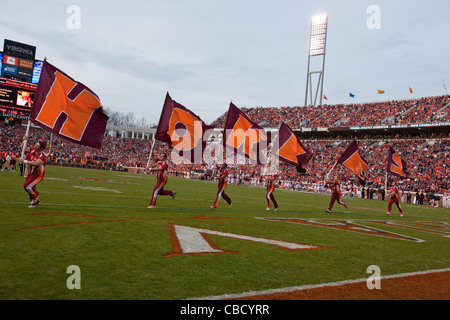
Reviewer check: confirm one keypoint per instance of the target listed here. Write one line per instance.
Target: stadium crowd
(415, 111)
(428, 156)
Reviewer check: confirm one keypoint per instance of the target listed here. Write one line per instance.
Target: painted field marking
(346, 225)
(313, 286)
(189, 240)
(97, 189)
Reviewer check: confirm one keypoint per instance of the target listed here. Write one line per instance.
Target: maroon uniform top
(270, 179)
(162, 175)
(33, 156)
(336, 187)
(394, 193)
(224, 173)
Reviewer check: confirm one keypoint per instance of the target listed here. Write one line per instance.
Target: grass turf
(99, 221)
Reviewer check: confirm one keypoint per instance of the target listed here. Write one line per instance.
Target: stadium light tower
(317, 47)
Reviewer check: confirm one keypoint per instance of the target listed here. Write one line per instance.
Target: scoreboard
(19, 77)
(16, 98)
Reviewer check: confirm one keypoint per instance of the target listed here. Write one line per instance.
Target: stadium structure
(418, 127)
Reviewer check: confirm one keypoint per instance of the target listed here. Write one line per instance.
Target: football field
(94, 238)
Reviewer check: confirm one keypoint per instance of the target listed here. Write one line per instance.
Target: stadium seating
(427, 156)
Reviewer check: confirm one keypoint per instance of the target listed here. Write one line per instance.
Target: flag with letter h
(68, 108)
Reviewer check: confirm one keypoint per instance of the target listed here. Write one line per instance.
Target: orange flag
(244, 136)
(182, 130)
(395, 165)
(352, 160)
(68, 108)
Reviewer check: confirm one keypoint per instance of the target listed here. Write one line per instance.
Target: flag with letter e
(352, 160)
(288, 147)
(68, 108)
(395, 165)
(244, 137)
(182, 130)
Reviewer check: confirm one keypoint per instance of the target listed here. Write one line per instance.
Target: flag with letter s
(395, 165)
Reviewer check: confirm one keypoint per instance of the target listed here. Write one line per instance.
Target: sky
(252, 52)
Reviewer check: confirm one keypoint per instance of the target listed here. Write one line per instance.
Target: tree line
(128, 119)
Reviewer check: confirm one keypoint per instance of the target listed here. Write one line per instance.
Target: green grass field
(99, 221)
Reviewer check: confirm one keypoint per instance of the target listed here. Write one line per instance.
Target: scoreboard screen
(37, 69)
(16, 98)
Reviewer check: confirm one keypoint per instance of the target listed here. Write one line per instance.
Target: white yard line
(308, 287)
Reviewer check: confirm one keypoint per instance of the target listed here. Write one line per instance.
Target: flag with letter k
(288, 147)
(352, 160)
(68, 108)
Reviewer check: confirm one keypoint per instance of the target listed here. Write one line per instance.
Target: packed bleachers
(415, 111)
(428, 156)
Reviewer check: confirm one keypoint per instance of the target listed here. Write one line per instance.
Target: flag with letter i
(68, 108)
(182, 130)
(352, 160)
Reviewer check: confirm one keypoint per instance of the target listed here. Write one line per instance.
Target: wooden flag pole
(385, 182)
(151, 152)
(24, 146)
(50, 145)
(28, 130)
(385, 178)
(326, 177)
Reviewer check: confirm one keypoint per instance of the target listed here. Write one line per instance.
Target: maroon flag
(395, 165)
(68, 108)
(352, 160)
(289, 149)
(183, 130)
(244, 137)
